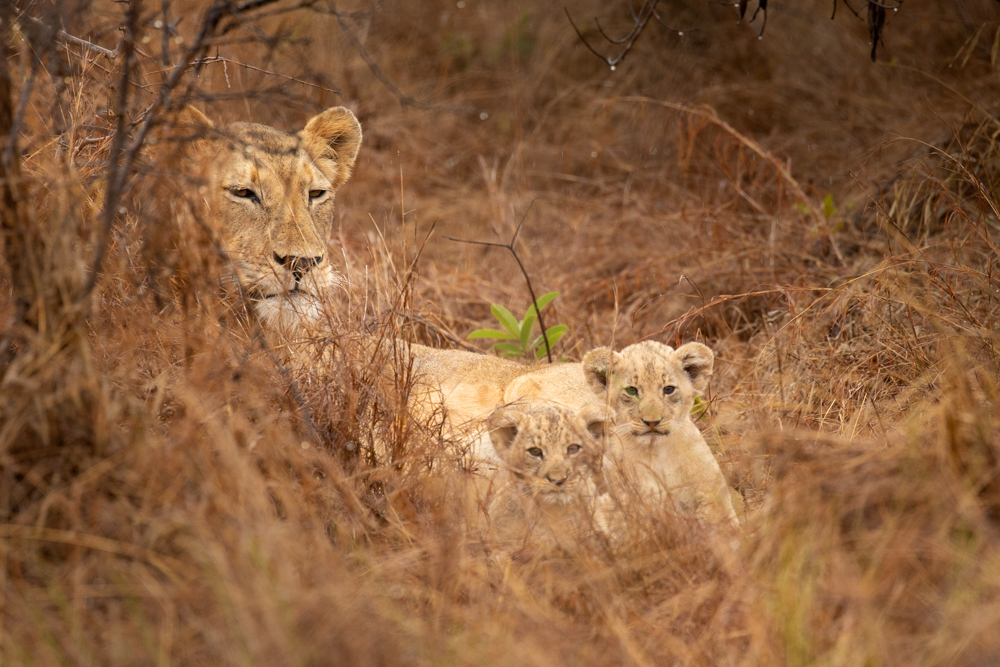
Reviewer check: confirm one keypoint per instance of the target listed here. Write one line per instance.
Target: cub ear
(597, 367)
(697, 361)
(333, 138)
(597, 419)
(503, 426)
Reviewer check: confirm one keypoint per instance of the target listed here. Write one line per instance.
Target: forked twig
(531, 291)
(67, 38)
(640, 20)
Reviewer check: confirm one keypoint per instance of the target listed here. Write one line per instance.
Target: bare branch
(116, 176)
(531, 291)
(640, 20)
(219, 59)
(67, 38)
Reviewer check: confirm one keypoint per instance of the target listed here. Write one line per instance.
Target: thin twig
(116, 172)
(224, 61)
(64, 36)
(640, 20)
(524, 271)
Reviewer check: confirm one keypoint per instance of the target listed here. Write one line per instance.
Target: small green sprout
(515, 336)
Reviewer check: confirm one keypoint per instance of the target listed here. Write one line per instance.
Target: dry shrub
(174, 491)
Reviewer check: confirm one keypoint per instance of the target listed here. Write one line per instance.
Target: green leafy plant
(828, 208)
(515, 335)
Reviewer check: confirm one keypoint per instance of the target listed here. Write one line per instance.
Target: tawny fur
(548, 483)
(657, 451)
(268, 196)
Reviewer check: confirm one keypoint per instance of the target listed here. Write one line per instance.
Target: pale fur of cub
(656, 449)
(548, 483)
(268, 197)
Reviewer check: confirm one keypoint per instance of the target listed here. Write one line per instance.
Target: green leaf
(543, 301)
(526, 326)
(699, 407)
(509, 349)
(557, 331)
(553, 333)
(490, 333)
(506, 319)
(828, 209)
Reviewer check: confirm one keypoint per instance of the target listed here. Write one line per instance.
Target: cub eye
(669, 389)
(316, 194)
(572, 449)
(536, 452)
(631, 391)
(243, 193)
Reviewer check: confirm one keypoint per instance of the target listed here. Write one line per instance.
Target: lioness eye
(316, 194)
(631, 391)
(669, 389)
(572, 449)
(243, 193)
(536, 452)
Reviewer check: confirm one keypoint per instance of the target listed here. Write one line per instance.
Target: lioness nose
(299, 266)
(651, 423)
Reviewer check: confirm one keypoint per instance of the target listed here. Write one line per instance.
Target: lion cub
(656, 454)
(548, 485)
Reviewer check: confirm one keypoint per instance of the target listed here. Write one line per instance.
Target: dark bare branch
(511, 246)
(641, 16)
(640, 19)
(67, 38)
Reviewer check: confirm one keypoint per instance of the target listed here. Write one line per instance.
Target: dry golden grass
(171, 493)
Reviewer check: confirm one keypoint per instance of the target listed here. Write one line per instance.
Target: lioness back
(467, 387)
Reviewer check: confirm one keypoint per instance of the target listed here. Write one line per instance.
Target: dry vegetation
(171, 494)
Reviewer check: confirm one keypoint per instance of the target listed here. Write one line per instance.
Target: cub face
(552, 451)
(269, 198)
(650, 386)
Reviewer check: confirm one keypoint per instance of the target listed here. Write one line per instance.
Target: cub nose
(557, 482)
(651, 423)
(299, 266)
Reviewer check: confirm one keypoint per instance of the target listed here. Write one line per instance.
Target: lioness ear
(191, 118)
(333, 138)
(597, 365)
(503, 425)
(187, 133)
(697, 361)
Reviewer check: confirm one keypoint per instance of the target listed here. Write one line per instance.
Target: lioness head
(650, 386)
(554, 452)
(269, 197)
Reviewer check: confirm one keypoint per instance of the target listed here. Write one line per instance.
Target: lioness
(269, 198)
(548, 484)
(268, 195)
(658, 451)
